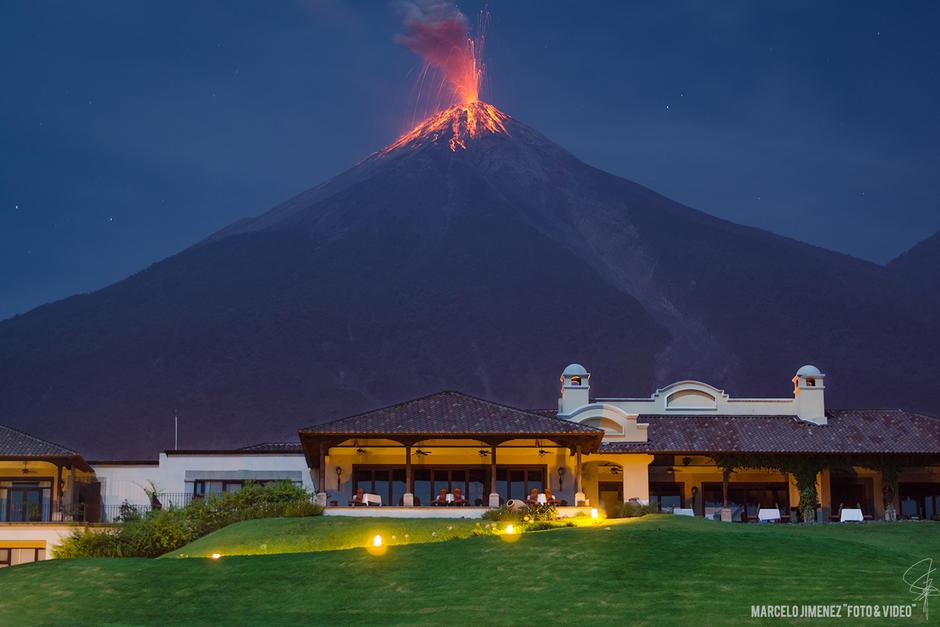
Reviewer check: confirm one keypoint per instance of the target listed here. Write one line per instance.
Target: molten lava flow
(457, 125)
(438, 32)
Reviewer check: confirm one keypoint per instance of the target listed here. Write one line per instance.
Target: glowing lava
(456, 125)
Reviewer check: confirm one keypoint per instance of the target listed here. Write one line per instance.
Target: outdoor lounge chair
(683, 511)
(372, 499)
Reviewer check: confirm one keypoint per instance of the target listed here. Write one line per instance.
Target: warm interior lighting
(216, 556)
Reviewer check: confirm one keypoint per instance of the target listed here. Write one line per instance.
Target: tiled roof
(14, 443)
(274, 447)
(451, 413)
(859, 431)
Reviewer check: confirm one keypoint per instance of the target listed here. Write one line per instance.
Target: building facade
(670, 450)
(688, 446)
(45, 491)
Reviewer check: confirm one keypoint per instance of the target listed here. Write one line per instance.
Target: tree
(804, 469)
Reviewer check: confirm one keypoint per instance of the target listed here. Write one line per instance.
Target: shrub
(542, 525)
(529, 513)
(84, 542)
(633, 509)
(166, 529)
(128, 512)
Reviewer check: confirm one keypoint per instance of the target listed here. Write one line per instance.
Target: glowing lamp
(594, 513)
(377, 546)
(216, 556)
(509, 534)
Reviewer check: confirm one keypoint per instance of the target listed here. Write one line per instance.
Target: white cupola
(809, 391)
(575, 388)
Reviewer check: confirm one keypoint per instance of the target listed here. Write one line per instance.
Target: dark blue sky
(130, 130)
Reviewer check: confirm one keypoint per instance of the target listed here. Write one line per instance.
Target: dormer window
(576, 380)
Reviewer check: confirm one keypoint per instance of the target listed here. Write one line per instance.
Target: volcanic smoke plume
(440, 34)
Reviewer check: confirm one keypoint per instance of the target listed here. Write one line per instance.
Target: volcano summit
(472, 253)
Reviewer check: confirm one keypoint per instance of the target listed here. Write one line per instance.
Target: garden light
(377, 546)
(594, 513)
(509, 534)
(216, 556)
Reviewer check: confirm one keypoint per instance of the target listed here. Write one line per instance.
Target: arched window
(575, 380)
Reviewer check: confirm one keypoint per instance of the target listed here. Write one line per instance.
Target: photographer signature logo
(919, 578)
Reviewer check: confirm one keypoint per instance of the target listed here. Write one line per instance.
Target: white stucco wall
(174, 473)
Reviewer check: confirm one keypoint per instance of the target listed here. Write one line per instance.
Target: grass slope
(322, 533)
(656, 570)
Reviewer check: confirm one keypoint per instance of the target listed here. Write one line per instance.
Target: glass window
(441, 480)
(398, 486)
(422, 485)
(476, 487)
(502, 485)
(517, 489)
(534, 480)
(665, 497)
(380, 479)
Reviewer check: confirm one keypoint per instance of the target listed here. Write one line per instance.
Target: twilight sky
(129, 131)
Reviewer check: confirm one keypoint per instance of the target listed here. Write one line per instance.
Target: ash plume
(439, 33)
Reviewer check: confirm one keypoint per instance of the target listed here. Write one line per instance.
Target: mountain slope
(475, 254)
(919, 268)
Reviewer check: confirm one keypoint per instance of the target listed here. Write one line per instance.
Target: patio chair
(372, 499)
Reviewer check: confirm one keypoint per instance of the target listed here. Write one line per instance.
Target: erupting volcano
(453, 66)
(456, 126)
(473, 253)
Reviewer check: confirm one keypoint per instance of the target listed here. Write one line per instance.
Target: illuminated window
(811, 382)
(575, 380)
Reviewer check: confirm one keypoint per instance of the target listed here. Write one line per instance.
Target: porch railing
(117, 512)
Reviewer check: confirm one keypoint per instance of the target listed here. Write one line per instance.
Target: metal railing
(119, 512)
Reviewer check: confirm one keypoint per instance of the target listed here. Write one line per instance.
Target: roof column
(321, 479)
(494, 495)
(579, 497)
(408, 499)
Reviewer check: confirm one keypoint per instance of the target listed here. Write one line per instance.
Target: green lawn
(655, 570)
(322, 533)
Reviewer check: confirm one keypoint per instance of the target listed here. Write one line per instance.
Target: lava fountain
(453, 69)
(440, 34)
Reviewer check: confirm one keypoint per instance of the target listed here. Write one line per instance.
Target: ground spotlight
(377, 546)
